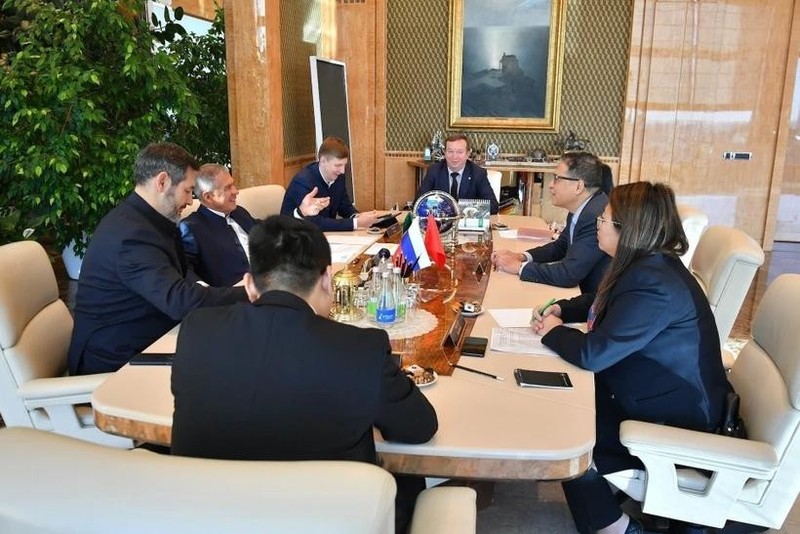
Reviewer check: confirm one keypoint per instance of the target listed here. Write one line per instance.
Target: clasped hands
(544, 318)
(507, 261)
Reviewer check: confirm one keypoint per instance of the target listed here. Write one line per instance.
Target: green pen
(547, 305)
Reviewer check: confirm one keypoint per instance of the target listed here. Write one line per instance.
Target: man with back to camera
(134, 284)
(278, 380)
(325, 174)
(574, 259)
(456, 175)
(215, 236)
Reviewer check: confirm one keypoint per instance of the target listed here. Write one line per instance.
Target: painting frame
(473, 109)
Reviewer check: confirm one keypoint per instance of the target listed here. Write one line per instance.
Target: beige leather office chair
(708, 479)
(495, 179)
(52, 484)
(262, 200)
(725, 263)
(35, 329)
(191, 208)
(694, 223)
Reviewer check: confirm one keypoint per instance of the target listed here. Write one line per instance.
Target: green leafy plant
(85, 91)
(201, 61)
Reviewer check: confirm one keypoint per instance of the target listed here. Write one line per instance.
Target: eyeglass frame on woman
(599, 220)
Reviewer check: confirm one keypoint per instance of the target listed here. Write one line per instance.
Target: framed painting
(505, 63)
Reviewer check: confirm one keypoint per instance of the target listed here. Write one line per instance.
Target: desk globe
(444, 208)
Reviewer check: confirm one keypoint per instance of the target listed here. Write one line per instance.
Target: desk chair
(708, 479)
(52, 484)
(495, 179)
(262, 200)
(694, 223)
(191, 208)
(35, 329)
(725, 263)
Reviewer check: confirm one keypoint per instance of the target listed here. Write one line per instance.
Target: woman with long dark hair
(652, 343)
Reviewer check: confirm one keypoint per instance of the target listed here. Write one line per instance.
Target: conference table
(489, 428)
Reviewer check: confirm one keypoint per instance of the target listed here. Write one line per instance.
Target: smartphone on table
(474, 346)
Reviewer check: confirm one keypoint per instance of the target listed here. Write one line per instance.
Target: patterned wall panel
(593, 91)
(297, 17)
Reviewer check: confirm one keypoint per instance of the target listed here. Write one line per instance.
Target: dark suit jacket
(212, 248)
(340, 205)
(474, 182)
(655, 354)
(275, 381)
(581, 263)
(134, 287)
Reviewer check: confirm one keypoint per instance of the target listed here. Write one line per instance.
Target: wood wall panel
(202, 9)
(252, 33)
(707, 77)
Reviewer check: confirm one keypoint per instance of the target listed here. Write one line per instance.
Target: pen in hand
(539, 313)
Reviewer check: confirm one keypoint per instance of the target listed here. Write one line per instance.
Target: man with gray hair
(215, 236)
(574, 259)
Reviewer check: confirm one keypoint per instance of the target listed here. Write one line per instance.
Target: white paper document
(341, 253)
(350, 239)
(518, 340)
(512, 317)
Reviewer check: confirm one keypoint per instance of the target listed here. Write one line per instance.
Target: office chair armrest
(445, 509)
(700, 450)
(44, 392)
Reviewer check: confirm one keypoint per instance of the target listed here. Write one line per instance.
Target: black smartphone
(529, 378)
(152, 358)
(474, 346)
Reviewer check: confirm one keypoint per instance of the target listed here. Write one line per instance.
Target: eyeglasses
(556, 178)
(600, 220)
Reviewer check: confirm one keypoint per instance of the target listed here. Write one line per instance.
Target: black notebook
(152, 358)
(529, 378)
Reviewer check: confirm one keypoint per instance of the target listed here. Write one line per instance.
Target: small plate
(417, 374)
(375, 231)
(477, 311)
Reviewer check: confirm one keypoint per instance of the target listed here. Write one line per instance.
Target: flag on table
(411, 253)
(407, 222)
(433, 242)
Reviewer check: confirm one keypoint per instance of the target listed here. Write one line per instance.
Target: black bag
(732, 423)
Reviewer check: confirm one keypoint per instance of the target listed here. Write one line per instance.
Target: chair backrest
(35, 325)
(141, 491)
(725, 263)
(262, 200)
(694, 223)
(191, 208)
(495, 179)
(767, 376)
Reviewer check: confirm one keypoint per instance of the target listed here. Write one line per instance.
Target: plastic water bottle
(373, 291)
(387, 308)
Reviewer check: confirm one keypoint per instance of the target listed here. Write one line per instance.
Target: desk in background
(488, 429)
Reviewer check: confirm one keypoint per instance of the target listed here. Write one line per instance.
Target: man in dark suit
(456, 175)
(278, 380)
(215, 236)
(325, 174)
(134, 284)
(574, 259)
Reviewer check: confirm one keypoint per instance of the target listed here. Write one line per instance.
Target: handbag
(732, 423)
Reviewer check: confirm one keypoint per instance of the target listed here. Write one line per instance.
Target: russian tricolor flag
(411, 254)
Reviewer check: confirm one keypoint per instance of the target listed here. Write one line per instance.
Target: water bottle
(387, 309)
(399, 294)
(373, 289)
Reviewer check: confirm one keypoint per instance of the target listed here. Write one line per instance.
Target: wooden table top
(488, 429)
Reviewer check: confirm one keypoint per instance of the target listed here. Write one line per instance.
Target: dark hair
(647, 218)
(333, 147)
(606, 178)
(585, 166)
(457, 137)
(163, 157)
(288, 254)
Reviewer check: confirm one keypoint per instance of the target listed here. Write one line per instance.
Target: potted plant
(84, 92)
